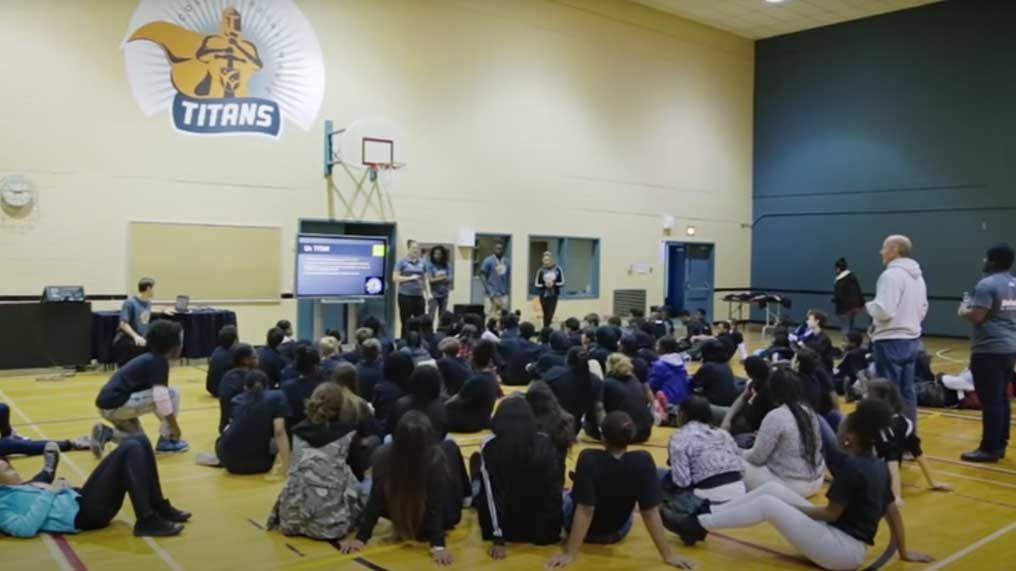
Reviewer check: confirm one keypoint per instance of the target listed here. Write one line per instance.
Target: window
(579, 258)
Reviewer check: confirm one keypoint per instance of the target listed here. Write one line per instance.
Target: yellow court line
(972, 547)
(159, 551)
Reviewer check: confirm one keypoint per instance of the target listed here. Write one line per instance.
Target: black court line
(255, 524)
(369, 564)
(295, 550)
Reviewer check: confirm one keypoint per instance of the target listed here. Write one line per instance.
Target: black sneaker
(156, 526)
(689, 529)
(101, 435)
(170, 513)
(980, 456)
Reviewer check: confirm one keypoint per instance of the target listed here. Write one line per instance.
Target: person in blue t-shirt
(495, 275)
(256, 433)
(135, 317)
(992, 311)
(410, 275)
(441, 277)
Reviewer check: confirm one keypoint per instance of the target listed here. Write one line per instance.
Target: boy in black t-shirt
(142, 387)
(608, 484)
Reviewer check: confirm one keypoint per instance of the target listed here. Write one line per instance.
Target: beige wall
(586, 118)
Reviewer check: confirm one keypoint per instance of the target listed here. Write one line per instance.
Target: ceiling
(758, 19)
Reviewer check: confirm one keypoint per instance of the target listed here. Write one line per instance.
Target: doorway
(484, 247)
(688, 279)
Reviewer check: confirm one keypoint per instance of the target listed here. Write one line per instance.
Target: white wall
(586, 118)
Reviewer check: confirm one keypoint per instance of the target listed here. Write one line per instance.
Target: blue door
(690, 277)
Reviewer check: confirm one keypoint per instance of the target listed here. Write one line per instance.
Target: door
(485, 247)
(690, 277)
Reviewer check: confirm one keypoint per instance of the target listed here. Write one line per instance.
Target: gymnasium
(507, 284)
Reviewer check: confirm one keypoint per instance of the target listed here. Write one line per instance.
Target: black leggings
(410, 306)
(128, 470)
(549, 306)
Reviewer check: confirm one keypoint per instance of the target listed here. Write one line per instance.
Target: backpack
(931, 393)
(322, 498)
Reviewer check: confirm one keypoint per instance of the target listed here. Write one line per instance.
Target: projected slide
(340, 266)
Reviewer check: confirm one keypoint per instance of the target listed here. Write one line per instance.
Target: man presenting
(992, 311)
(135, 316)
(899, 307)
(494, 273)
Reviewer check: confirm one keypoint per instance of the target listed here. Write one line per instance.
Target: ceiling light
(690, 231)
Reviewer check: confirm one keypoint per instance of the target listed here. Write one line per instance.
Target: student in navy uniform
(256, 434)
(142, 387)
(495, 275)
(368, 369)
(331, 359)
(598, 510)
(837, 535)
(245, 360)
(269, 358)
(816, 338)
(469, 410)
(548, 283)
(455, 371)
(622, 391)
(523, 352)
(714, 378)
(992, 311)
(288, 346)
(556, 354)
(423, 393)
(398, 367)
(298, 390)
(441, 277)
(410, 275)
(579, 391)
(135, 318)
(221, 360)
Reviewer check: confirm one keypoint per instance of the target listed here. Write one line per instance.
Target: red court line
(769, 550)
(68, 552)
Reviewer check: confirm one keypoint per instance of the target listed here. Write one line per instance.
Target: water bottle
(966, 299)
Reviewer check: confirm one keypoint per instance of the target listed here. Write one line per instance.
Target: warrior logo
(201, 58)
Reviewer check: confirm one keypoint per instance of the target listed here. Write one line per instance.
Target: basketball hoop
(383, 174)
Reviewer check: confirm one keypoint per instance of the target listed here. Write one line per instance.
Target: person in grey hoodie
(899, 307)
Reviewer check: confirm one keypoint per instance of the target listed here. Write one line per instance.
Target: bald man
(899, 307)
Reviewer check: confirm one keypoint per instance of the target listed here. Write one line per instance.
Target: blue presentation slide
(340, 266)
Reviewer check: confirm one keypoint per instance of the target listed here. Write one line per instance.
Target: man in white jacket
(899, 307)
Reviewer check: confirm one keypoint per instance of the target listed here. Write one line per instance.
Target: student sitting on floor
(469, 410)
(368, 369)
(817, 387)
(413, 488)
(270, 360)
(298, 390)
(518, 477)
(423, 393)
(856, 358)
(551, 418)
(518, 353)
(398, 367)
(455, 371)
(555, 355)
(816, 339)
(256, 434)
(746, 414)
(835, 536)
(221, 360)
(629, 347)
(669, 375)
(130, 470)
(605, 343)
(704, 459)
(623, 392)
(328, 447)
(715, 378)
(788, 447)
(579, 391)
(899, 439)
(779, 349)
(12, 443)
(245, 360)
(328, 348)
(142, 387)
(572, 327)
(598, 509)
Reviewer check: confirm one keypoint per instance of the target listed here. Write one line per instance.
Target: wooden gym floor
(973, 527)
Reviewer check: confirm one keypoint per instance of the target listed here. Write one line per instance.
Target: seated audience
(469, 409)
(245, 360)
(816, 339)
(328, 348)
(835, 536)
(856, 358)
(56, 507)
(221, 359)
(715, 379)
(704, 459)
(788, 447)
(142, 387)
(629, 348)
(754, 403)
(623, 392)
(555, 354)
(668, 375)
(256, 433)
(779, 349)
(413, 487)
(398, 367)
(368, 369)
(572, 327)
(605, 343)
(332, 445)
(270, 360)
(298, 390)
(455, 370)
(551, 419)
(520, 480)
(817, 387)
(518, 353)
(579, 391)
(599, 510)
(423, 393)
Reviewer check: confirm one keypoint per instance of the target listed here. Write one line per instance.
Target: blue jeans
(896, 360)
(568, 507)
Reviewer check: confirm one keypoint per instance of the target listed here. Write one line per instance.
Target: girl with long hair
(551, 418)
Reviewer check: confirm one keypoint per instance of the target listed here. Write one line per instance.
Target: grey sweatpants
(125, 418)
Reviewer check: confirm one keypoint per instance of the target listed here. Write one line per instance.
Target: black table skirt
(200, 331)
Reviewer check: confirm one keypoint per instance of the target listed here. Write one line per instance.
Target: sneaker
(980, 456)
(156, 526)
(170, 513)
(208, 459)
(50, 461)
(81, 443)
(101, 435)
(168, 445)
